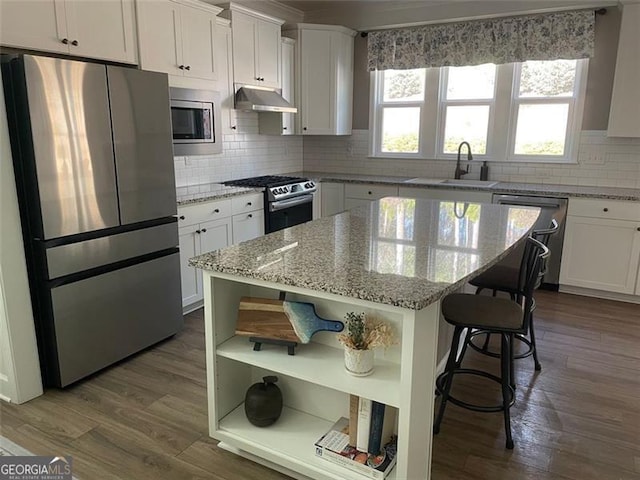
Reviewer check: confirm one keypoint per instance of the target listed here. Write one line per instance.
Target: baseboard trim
(588, 292)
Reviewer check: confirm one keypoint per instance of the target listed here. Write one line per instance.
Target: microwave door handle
(282, 204)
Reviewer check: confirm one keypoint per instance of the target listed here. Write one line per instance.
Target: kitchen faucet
(459, 172)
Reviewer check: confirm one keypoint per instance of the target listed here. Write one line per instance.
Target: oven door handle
(282, 204)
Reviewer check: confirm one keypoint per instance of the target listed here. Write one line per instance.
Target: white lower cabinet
(602, 246)
(443, 194)
(358, 194)
(331, 198)
(208, 226)
(195, 240)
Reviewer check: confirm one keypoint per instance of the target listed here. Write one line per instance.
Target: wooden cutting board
(281, 320)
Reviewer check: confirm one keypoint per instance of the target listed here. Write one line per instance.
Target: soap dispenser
(484, 171)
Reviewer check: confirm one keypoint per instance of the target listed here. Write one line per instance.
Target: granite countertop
(397, 251)
(216, 191)
(613, 193)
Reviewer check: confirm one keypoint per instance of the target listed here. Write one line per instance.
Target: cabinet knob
(369, 192)
(233, 127)
(304, 128)
(638, 229)
(181, 67)
(198, 232)
(251, 216)
(204, 230)
(217, 210)
(249, 204)
(74, 43)
(258, 78)
(188, 67)
(181, 217)
(284, 128)
(65, 41)
(605, 209)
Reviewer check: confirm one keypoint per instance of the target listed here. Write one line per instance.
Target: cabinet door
(102, 30)
(224, 59)
(247, 226)
(189, 242)
(288, 84)
(600, 254)
(34, 24)
(160, 36)
(198, 43)
(268, 53)
(332, 198)
(317, 83)
(215, 235)
(244, 31)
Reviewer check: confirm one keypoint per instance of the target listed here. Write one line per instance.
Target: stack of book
(364, 442)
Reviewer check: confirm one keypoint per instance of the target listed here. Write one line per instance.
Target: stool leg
(532, 335)
(485, 345)
(512, 375)
(505, 364)
(448, 378)
(465, 344)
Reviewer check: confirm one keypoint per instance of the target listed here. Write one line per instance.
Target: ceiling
(317, 5)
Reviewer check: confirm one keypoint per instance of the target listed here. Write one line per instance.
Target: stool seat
(477, 311)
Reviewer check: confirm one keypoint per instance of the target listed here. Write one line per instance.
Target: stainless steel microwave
(195, 121)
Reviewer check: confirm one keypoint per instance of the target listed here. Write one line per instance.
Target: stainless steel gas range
(288, 200)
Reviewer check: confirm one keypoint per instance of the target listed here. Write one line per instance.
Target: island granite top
(397, 251)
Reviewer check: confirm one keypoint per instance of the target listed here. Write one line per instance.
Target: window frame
(502, 117)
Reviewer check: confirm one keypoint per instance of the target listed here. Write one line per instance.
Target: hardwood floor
(577, 419)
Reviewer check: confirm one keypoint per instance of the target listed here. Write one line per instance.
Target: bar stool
(494, 315)
(503, 277)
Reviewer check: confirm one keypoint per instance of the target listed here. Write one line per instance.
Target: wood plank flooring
(577, 419)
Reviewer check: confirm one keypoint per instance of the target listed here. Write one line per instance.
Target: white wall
(602, 161)
(19, 365)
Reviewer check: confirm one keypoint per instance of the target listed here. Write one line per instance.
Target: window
(528, 111)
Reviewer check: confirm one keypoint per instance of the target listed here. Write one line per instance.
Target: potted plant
(361, 335)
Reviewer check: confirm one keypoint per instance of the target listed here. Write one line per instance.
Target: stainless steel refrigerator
(93, 160)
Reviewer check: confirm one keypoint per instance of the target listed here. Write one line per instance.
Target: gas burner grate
(265, 181)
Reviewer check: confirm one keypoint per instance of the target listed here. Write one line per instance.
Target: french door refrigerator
(93, 161)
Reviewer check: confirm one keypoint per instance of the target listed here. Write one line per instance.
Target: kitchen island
(394, 259)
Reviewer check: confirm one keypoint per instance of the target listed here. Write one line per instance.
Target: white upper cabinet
(324, 90)
(624, 116)
(275, 123)
(103, 30)
(224, 85)
(178, 37)
(256, 47)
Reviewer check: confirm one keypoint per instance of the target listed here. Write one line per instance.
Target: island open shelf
(296, 432)
(319, 364)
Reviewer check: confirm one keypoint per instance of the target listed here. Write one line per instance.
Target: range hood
(261, 99)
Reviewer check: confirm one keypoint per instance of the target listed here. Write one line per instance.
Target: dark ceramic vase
(263, 402)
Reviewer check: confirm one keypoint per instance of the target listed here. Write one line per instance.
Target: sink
(470, 183)
(452, 181)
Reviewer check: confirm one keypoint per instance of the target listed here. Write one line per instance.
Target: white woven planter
(358, 362)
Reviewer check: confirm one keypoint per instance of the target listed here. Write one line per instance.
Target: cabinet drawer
(602, 208)
(370, 192)
(247, 203)
(204, 212)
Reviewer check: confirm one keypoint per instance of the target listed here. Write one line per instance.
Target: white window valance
(562, 35)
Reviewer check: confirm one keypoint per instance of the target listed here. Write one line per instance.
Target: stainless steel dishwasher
(552, 207)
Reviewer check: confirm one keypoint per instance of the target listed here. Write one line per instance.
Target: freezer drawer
(106, 318)
(79, 256)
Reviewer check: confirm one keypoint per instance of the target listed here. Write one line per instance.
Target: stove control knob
(285, 189)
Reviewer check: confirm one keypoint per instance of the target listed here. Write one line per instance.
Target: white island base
(314, 383)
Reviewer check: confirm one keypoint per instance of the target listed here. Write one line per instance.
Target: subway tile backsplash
(245, 154)
(602, 161)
